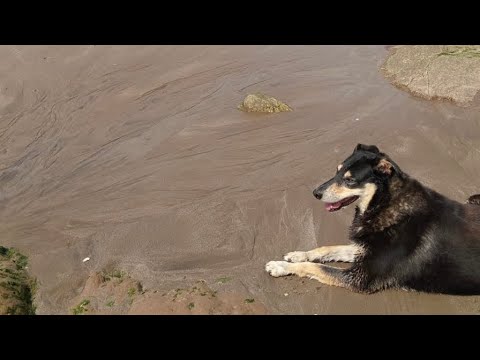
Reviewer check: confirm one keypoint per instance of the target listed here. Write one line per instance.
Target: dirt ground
(138, 158)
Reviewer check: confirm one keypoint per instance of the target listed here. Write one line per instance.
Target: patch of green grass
(223, 279)
(111, 303)
(3, 251)
(177, 293)
(114, 274)
(81, 308)
(26, 295)
(132, 291)
(462, 51)
(249, 301)
(20, 260)
(19, 286)
(191, 306)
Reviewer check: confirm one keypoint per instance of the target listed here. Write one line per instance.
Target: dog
(403, 235)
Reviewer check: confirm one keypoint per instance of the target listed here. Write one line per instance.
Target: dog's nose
(317, 194)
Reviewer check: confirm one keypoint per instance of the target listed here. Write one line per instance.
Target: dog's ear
(369, 148)
(386, 166)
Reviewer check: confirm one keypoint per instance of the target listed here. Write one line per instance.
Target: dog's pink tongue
(333, 206)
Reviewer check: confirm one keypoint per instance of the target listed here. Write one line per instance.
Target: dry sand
(138, 158)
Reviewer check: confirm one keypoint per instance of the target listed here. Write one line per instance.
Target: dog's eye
(350, 182)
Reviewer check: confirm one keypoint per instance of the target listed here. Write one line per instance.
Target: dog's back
(453, 240)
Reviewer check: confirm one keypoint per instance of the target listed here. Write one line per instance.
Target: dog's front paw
(296, 256)
(278, 268)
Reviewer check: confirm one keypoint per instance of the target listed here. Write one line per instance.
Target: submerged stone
(261, 103)
(449, 72)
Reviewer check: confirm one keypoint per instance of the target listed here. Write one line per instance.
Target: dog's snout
(317, 193)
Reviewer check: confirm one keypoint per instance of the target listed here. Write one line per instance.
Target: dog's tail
(474, 199)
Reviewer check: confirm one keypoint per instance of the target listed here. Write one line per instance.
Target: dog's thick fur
(403, 235)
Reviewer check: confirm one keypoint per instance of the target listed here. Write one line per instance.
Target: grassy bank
(17, 288)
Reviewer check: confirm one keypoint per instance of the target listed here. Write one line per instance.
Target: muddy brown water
(138, 157)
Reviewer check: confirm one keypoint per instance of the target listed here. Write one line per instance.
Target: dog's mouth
(340, 204)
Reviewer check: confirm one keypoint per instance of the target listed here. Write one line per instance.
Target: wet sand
(138, 157)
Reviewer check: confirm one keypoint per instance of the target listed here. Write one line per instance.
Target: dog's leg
(328, 275)
(342, 253)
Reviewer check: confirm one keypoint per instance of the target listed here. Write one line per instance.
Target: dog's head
(360, 177)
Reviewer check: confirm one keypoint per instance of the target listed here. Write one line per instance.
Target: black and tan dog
(403, 235)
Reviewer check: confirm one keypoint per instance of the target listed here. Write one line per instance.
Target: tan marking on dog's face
(366, 196)
(384, 166)
(339, 167)
(337, 192)
(340, 190)
(347, 175)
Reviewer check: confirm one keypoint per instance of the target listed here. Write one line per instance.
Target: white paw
(296, 256)
(277, 268)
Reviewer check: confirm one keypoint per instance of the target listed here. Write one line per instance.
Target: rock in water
(449, 72)
(262, 104)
